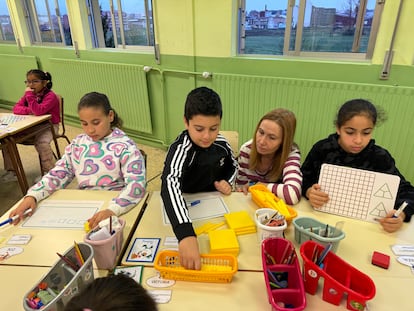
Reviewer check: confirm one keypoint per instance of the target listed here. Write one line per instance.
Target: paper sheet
(211, 206)
(63, 214)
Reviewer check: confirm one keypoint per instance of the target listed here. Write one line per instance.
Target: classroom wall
(197, 36)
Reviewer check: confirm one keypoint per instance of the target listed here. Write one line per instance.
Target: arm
(175, 205)
(242, 177)
(21, 107)
(225, 186)
(291, 186)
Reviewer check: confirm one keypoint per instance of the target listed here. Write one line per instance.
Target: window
(121, 23)
(47, 21)
(6, 29)
(308, 27)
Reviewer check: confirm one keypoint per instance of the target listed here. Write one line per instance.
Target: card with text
(143, 250)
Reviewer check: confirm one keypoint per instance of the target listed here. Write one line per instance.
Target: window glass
(126, 23)
(6, 30)
(48, 21)
(289, 27)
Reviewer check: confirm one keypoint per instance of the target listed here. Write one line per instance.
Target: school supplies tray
(62, 282)
(307, 228)
(264, 198)
(339, 277)
(265, 229)
(214, 268)
(283, 279)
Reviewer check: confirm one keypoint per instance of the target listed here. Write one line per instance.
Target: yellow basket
(264, 198)
(215, 268)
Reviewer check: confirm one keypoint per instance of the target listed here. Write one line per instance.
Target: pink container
(280, 262)
(106, 251)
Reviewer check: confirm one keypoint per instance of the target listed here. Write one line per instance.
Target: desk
(393, 285)
(41, 250)
(13, 134)
(152, 226)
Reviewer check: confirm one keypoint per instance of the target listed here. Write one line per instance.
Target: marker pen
(400, 210)
(11, 219)
(193, 203)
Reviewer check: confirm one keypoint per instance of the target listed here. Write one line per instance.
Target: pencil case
(282, 275)
(214, 268)
(307, 228)
(107, 250)
(264, 198)
(61, 283)
(339, 278)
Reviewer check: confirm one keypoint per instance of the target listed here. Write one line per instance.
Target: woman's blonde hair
(287, 121)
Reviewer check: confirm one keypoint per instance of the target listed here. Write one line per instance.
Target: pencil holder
(107, 250)
(265, 231)
(307, 228)
(61, 283)
(283, 279)
(339, 277)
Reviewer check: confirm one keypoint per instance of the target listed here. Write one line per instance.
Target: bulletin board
(357, 193)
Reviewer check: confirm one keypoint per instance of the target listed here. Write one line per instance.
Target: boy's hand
(316, 197)
(28, 202)
(223, 186)
(189, 253)
(390, 223)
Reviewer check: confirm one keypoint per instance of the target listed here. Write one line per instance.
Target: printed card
(143, 250)
(134, 272)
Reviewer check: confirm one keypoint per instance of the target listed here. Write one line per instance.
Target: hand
(28, 202)
(99, 216)
(189, 253)
(223, 186)
(390, 223)
(316, 197)
(28, 89)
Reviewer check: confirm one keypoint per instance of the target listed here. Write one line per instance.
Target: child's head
(97, 116)
(202, 116)
(355, 123)
(37, 80)
(115, 292)
(274, 137)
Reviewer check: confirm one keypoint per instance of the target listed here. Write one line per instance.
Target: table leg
(17, 163)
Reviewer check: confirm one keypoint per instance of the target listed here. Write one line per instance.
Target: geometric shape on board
(383, 192)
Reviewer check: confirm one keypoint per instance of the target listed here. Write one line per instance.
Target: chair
(233, 139)
(62, 130)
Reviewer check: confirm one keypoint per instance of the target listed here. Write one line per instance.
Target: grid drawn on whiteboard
(357, 193)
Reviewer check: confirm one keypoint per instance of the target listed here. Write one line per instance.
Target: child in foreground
(114, 292)
(199, 160)
(352, 146)
(38, 100)
(272, 157)
(102, 158)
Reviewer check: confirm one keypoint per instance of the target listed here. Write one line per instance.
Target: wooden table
(17, 132)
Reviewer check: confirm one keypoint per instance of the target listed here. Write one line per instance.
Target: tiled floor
(10, 192)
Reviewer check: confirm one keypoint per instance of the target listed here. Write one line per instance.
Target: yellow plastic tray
(264, 198)
(218, 268)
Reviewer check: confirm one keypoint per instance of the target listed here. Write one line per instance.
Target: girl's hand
(28, 202)
(223, 186)
(390, 223)
(316, 197)
(96, 219)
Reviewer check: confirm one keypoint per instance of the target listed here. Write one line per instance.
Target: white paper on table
(211, 206)
(63, 214)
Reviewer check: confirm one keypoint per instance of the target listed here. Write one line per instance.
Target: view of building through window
(127, 22)
(281, 27)
(6, 29)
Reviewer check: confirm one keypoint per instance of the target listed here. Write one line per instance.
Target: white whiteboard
(357, 193)
(64, 214)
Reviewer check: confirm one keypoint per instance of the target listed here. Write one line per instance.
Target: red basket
(339, 278)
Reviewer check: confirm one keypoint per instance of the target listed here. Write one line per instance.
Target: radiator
(315, 103)
(125, 86)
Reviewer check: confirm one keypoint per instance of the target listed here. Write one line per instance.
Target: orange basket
(218, 268)
(264, 198)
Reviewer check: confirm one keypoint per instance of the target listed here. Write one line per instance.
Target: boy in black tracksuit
(199, 160)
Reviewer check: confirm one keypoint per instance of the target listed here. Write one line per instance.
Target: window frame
(296, 52)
